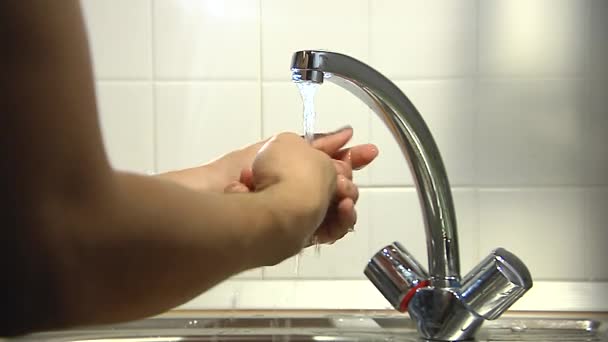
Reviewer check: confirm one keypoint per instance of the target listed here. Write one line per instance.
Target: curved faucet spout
(415, 140)
(444, 307)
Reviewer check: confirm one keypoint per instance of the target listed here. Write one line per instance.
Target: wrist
(274, 234)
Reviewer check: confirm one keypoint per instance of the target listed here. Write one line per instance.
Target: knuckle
(340, 166)
(355, 193)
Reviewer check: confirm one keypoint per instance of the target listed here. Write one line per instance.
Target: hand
(341, 215)
(219, 174)
(231, 172)
(298, 183)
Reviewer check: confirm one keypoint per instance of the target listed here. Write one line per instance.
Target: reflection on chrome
(444, 306)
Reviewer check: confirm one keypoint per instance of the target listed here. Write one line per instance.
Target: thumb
(331, 143)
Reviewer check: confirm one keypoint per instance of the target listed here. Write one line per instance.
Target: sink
(319, 327)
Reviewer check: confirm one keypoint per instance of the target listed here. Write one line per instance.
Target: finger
(347, 215)
(246, 178)
(332, 142)
(340, 219)
(236, 187)
(358, 156)
(344, 220)
(345, 188)
(344, 169)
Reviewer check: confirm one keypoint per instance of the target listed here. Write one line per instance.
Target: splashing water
(307, 92)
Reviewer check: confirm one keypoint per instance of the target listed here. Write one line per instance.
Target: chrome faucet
(444, 305)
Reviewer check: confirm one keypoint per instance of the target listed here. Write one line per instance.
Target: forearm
(83, 244)
(144, 247)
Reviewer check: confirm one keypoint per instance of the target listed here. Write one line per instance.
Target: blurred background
(514, 93)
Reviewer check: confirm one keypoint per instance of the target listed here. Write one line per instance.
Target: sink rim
(343, 323)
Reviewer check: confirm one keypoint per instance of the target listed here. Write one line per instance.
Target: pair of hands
(311, 184)
(322, 176)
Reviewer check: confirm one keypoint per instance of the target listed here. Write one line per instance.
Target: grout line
(542, 187)
(491, 187)
(369, 31)
(539, 77)
(260, 70)
(256, 80)
(198, 80)
(466, 77)
(475, 138)
(370, 112)
(585, 117)
(124, 80)
(585, 237)
(589, 41)
(476, 102)
(154, 92)
(262, 273)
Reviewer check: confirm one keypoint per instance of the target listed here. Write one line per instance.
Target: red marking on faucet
(410, 294)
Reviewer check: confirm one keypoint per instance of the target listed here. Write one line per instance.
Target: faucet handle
(495, 284)
(396, 274)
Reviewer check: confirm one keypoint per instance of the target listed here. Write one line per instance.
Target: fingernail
(375, 150)
(351, 229)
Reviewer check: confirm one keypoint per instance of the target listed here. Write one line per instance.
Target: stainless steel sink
(278, 326)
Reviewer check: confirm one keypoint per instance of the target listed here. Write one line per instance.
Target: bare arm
(83, 244)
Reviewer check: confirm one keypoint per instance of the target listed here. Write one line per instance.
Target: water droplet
(519, 328)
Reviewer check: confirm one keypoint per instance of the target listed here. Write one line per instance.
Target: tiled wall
(513, 91)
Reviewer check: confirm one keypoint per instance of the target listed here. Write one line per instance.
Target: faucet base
(441, 315)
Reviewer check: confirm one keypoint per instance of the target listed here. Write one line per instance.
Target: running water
(308, 91)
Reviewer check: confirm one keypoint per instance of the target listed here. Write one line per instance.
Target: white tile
(595, 138)
(448, 109)
(466, 202)
(210, 39)
(423, 38)
(596, 233)
(530, 132)
(543, 227)
(396, 215)
(288, 269)
(345, 259)
(198, 122)
(120, 37)
(390, 167)
(599, 43)
(290, 26)
(334, 107)
(532, 37)
(127, 124)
